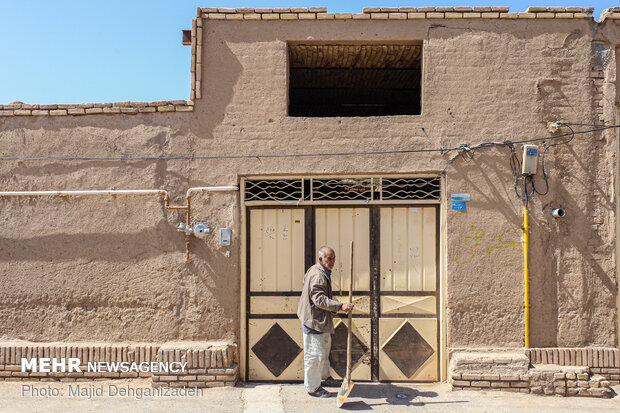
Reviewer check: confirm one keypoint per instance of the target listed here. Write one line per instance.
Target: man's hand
(346, 307)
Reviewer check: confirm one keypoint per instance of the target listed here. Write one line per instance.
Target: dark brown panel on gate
(276, 350)
(338, 353)
(375, 265)
(408, 350)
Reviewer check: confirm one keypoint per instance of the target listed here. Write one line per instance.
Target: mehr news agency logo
(73, 365)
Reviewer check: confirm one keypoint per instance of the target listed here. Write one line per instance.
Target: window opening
(329, 80)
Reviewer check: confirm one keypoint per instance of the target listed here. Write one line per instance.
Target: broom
(347, 384)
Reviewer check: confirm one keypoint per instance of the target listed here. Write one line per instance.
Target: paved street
(276, 398)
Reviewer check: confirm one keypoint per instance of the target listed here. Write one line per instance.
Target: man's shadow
(391, 393)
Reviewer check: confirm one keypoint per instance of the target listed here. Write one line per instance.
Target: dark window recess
(354, 80)
(187, 38)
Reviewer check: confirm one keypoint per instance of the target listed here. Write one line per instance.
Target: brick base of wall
(512, 371)
(209, 364)
(214, 366)
(600, 360)
(610, 373)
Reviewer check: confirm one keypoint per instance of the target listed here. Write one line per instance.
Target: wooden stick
(347, 384)
(349, 337)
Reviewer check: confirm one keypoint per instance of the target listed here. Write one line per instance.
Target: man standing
(316, 311)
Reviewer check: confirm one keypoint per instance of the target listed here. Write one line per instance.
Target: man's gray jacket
(316, 306)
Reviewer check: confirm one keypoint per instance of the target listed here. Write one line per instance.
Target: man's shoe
(320, 392)
(331, 382)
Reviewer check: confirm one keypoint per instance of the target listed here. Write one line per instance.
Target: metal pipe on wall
(87, 192)
(167, 205)
(526, 276)
(188, 197)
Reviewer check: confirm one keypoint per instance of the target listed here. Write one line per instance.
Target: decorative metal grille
(410, 188)
(343, 189)
(273, 190)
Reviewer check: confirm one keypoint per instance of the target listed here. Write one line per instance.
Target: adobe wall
(112, 268)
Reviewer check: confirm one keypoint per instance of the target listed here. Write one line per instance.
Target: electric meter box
(530, 159)
(225, 236)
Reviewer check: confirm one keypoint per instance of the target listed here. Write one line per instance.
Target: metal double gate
(395, 320)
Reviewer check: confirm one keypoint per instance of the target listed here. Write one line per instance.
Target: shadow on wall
(224, 70)
(572, 290)
(484, 243)
(566, 290)
(213, 272)
(493, 195)
(64, 168)
(126, 247)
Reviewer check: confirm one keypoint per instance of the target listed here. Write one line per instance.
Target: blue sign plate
(460, 197)
(459, 206)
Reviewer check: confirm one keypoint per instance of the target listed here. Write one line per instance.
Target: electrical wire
(443, 151)
(580, 124)
(515, 167)
(465, 152)
(211, 157)
(543, 159)
(515, 164)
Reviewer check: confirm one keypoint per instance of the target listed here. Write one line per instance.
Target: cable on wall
(464, 147)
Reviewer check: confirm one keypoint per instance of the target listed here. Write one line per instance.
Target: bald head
(327, 257)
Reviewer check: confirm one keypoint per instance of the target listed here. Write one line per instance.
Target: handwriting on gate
(478, 237)
(270, 232)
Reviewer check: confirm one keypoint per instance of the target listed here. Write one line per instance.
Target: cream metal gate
(394, 223)
(408, 317)
(395, 322)
(337, 227)
(276, 269)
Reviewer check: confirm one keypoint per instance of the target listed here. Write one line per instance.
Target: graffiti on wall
(478, 245)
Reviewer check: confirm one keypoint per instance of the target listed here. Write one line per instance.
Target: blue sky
(63, 51)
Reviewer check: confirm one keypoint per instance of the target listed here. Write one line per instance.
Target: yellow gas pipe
(526, 274)
(187, 221)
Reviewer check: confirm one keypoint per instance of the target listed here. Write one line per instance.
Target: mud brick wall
(11, 355)
(490, 371)
(602, 361)
(568, 381)
(208, 365)
(393, 13)
(115, 267)
(127, 108)
(506, 382)
(507, 371)
(215, 366)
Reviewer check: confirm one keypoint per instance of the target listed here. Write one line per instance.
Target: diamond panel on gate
(276, 350)
(408, 350)
(338, 354)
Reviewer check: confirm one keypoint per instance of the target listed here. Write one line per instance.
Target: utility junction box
(530, 159)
